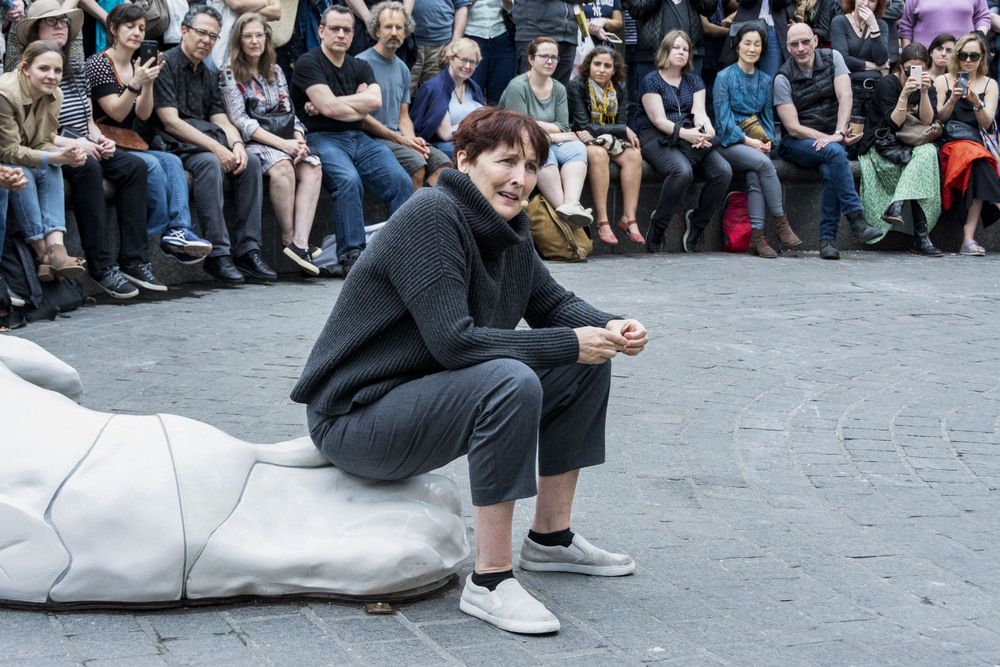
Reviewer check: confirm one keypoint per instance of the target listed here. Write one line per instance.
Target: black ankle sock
(491, 580)
(560, 538)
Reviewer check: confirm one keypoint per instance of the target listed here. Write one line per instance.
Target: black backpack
(43, 300)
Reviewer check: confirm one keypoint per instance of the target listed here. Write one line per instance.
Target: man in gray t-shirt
(812, 96)
(391, 125)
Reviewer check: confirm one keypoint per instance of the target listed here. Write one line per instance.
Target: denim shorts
(567, 151)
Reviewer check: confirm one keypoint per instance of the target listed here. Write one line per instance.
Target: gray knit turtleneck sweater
(442, 286)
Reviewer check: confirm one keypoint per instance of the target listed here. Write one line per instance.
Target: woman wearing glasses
(966, 165)
(270, 10)
(441, 103)
(252, 81)
(536, 94)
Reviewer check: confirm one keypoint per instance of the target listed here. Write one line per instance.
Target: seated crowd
(222, 102)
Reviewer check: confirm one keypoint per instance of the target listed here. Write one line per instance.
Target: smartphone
(917, 72)
(612, 37)
(148, 49)
(962, 79)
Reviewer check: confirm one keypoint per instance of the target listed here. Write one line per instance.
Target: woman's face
(908, 64)
(679, 53)
(130, 35)
(545, 59)
(750, 47)
(940, 55)
(253, 39)
(463, 64)
(602, 68)
(44, 73)
(971, 54)
(867, 4)
(54, 29)
(505, 175)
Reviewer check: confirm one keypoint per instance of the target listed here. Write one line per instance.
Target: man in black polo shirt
(191, 122)
(343, 91)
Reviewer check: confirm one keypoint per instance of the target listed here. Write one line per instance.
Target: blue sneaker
(180, 255)
(184, 237)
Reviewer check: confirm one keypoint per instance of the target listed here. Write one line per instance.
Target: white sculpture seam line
(180, 504)
(55, 496)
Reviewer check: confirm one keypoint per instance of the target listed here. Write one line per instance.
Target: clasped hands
(597, 345)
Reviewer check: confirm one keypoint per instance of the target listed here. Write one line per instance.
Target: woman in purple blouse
(923, 20)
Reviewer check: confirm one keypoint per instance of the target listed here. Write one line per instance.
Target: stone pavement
(804, 463)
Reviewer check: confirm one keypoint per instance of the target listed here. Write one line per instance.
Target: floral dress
(234, 96)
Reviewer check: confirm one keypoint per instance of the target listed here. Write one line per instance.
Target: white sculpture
(96, 507)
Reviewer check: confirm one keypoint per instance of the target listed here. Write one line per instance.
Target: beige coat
(26, 128)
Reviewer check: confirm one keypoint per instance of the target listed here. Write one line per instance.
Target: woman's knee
(597, 157)
(282, 170)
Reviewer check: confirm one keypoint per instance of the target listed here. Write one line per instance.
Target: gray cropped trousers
(763, 186)
(500, 413)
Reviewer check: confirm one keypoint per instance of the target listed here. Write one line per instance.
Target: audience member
(29, 108)
(744, 118)
(923, 20)
(596, 114)
(891, 172)
(442, 102)
(343, 90)
(940, 53)
(48, 21)
(656, 18)
(391, 124)
(546, 18)
(15, 46)
(817, 14)
(487, 28)
(123, 90)
(777, 14)
(812, 95)
(257, 102)
(604, 17)
(438, 24)
(12, 179)
(678, 140)
(230, 10)
(968, 166)
(861, 38)
(538, 95)
(190, 120)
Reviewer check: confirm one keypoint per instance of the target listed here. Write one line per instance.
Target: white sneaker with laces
(581, 557)
(509, 607)
(575, 215)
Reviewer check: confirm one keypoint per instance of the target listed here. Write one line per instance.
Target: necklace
(460, 98)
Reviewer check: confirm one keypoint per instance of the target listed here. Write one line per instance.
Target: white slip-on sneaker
(575, 215)
(581, 557)
(509, 607)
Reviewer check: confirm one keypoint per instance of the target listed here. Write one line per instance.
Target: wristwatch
(841, 133)
(980, 107)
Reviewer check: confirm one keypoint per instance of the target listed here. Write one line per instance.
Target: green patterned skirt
(883, 182)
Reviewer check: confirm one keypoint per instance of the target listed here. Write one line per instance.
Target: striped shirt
(75, 112)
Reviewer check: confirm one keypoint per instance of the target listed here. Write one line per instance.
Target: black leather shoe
(654, 236)
(221, 268)
(828, 250)
(253, 267)
(894, 214)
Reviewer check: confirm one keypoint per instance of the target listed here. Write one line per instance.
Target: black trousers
(128, 173)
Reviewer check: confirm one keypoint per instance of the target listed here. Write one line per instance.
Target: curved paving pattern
(805, 465)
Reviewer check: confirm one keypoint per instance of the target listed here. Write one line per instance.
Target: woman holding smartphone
(122, 89)
(967, 95)
(886, 183)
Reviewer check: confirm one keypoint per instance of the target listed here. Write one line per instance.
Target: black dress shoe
(828, 250)
(221, 268)
(253, 267)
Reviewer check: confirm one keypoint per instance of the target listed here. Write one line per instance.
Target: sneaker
(184, 237)
(348, 261)
(183, 257)
(142, 275)
(828, 249)
(509, 607)
(575, 215)
(114, 284)
(692, 234)
(302, 258)
(15, 300)
(581, 557)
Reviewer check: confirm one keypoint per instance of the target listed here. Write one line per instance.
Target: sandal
(605, 233)
(630, 227)
(972, 249)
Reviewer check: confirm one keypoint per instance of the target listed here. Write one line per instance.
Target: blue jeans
(353, 161)
(40, 208)
(771, 61)
(839, 195)
(497, 66)
(166, 192)
(3, 215)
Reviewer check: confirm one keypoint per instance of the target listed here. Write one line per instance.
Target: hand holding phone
(148, 50)
(962, 82)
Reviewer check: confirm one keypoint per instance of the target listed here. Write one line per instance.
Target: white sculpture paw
(139, 509)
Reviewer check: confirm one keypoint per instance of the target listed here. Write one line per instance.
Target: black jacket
(578, 99)
(655, 18)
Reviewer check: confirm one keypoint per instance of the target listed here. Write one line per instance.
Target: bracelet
(237, 142)
(45, 159)
(875, 34)
(137, 91)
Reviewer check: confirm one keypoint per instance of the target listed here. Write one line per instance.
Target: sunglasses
(974, 57)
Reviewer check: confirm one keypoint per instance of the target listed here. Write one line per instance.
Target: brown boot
(785, 233)
(758, 245)
(64, 265)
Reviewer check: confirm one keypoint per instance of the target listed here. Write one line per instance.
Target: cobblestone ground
(804, 465)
